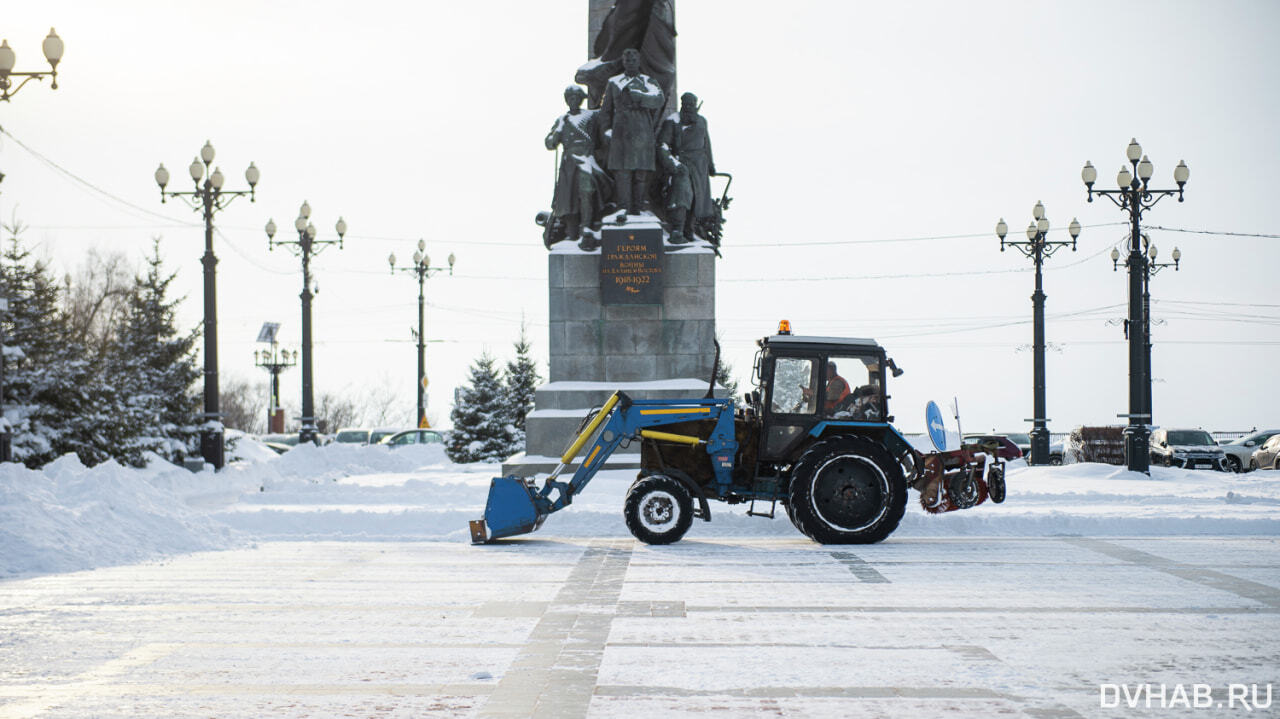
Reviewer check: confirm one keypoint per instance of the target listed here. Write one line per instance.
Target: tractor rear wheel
(658, 509)
(847, 490)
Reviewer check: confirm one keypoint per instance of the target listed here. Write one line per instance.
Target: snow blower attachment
(961, 478)
(820, 444)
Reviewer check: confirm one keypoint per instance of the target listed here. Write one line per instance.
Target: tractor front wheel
(658, 510)
(847, 490)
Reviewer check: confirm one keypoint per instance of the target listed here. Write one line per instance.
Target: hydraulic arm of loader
(517, 506)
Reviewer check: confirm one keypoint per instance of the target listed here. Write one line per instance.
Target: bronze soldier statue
(647, 25)
(686, 145)
(581, 184)
(630, 112)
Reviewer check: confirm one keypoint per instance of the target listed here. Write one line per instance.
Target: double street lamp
(1134, 195)
(1038, 247)
(274, 361)
(421, 268)
(305, 246)
(1153, 267)
(209, 197)
(52, 47)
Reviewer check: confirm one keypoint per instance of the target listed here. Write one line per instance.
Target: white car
(413, 436)
(352, 435)
(1240, 451)
(1186, 448)
(1268, 455)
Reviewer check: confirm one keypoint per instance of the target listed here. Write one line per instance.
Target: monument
(632, 235)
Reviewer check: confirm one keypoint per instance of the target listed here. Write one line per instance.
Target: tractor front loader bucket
(517, 506)
(512, 509)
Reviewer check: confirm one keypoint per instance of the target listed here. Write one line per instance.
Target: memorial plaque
(631, 266)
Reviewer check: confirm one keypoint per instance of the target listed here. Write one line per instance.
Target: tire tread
(655, 482)
(801, 486)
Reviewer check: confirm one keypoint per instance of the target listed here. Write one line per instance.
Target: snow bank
(68, 517)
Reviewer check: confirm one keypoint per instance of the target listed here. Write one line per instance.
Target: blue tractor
(814, 436)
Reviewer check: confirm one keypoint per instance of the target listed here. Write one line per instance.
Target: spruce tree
(724, 378)
(520, 381)
(153, 367)
(482, 429)
(53, 397)
(724, 372)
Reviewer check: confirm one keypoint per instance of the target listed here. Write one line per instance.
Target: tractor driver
(837, 390)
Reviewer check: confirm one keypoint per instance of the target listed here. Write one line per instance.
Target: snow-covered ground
(68, 517)
(339, 581)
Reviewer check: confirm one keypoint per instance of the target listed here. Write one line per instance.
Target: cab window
(853, 390)
(795, 380)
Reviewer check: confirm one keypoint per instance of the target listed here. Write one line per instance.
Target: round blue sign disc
(937, 430)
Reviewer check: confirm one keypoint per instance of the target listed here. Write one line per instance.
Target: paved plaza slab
(958, 627)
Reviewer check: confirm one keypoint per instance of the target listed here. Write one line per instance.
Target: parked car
(352, 435)
(1008, 450)
(1023, 440)
(278, 447)
(280, 438)
(377, 435)
(1187, 448)
(1240, 451)
(1268, 455)
(413, 436)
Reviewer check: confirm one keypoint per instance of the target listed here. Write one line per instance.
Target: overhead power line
(85, 183)
(170, 222)
(1222, 304)
(913, 275)
(1213, 232)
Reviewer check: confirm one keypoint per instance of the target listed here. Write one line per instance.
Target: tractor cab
(809, 385)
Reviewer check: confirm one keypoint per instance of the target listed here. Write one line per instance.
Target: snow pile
(68, 517)
(243, 447)
(350, 492)
(334, 461)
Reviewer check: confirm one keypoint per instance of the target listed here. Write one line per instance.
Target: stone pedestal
(662, 350)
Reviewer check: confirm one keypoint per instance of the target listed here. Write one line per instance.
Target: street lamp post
(1038, 247)
(274, 362)
(1153, 267)
(52, 47)
(421, 268)
(209, 197)
(1134, 195)
(305, 246)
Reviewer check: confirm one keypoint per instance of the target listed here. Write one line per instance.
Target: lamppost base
(1039, 446)
(308, 434)
(1137, 448)
(212, 448)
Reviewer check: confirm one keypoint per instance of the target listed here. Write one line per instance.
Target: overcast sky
(852, 130)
